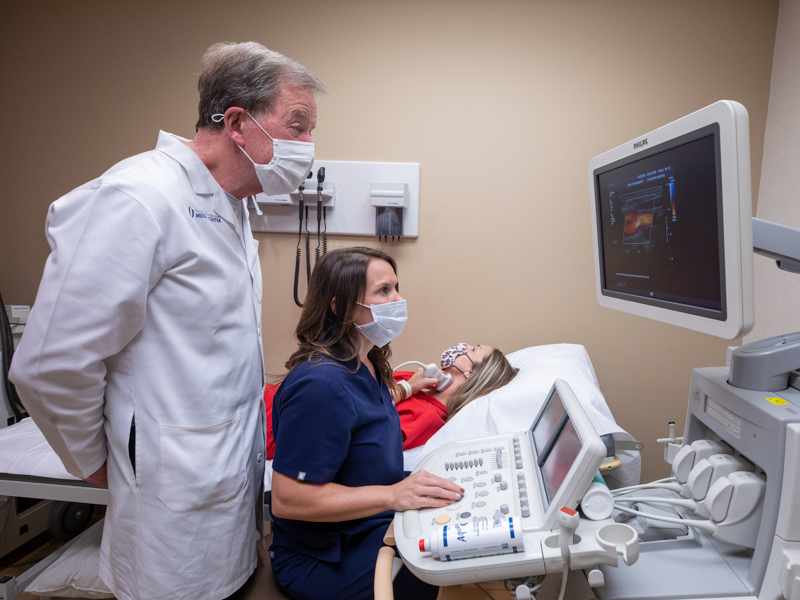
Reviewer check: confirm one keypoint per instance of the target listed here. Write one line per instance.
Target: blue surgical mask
(388, 321)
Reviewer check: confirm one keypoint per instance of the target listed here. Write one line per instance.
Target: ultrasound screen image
(565, 450)
(661, 228)
(547, 423)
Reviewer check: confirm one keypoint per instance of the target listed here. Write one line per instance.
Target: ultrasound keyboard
(527, 476)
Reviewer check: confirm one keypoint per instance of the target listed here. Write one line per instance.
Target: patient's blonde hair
(492, 373)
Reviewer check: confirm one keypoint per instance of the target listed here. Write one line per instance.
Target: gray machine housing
(698, 566)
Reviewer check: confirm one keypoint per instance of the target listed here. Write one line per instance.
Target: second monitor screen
(558, 463)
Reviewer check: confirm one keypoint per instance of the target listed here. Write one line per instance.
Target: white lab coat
(150, 308)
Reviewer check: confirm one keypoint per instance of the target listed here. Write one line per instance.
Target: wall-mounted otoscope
(322, 228)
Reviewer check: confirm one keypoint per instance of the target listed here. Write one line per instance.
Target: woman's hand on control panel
(425, 490)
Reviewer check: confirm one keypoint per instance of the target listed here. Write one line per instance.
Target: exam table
(29, 467)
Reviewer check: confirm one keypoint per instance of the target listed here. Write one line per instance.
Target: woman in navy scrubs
(338, 466)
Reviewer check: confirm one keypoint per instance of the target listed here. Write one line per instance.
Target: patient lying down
(476, 371)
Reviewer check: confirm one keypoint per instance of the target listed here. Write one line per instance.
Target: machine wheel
(69, 518)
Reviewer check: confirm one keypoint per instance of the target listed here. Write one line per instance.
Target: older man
(142, 359)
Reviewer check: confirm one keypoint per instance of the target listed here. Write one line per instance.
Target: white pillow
(515, 406)
(75, 574)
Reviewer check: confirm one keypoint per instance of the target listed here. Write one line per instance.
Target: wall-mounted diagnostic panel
(358, 198)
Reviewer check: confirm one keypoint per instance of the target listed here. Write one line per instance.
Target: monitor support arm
(766, 365)
(778, 242)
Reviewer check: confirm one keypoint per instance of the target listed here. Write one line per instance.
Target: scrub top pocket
(201, 466)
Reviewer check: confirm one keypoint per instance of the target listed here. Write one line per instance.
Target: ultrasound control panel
(527, 475)
(493, 477)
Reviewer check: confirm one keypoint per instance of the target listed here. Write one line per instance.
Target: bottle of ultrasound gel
(479, 538)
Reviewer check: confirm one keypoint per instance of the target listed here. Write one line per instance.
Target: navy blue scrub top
(333, 424)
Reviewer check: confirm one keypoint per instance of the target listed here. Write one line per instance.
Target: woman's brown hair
(326, 328)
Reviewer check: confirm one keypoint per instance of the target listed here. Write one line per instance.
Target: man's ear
(234, 119)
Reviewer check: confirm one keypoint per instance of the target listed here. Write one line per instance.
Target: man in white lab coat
(142, 359)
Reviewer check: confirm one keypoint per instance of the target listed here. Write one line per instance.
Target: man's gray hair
(249, 76)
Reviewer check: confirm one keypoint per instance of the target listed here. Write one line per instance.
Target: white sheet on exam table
(24, 451)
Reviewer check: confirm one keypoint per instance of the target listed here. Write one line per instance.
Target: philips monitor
(672, 223)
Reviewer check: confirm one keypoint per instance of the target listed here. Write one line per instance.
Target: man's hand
(99, 477)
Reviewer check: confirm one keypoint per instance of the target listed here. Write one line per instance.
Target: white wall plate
(352, 213)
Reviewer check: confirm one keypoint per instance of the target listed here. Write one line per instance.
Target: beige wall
(777, 292)
(502, 103)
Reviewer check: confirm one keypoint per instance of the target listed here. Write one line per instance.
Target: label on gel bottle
(482, 537)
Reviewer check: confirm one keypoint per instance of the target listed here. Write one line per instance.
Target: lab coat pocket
(201, 466)
(119, 410)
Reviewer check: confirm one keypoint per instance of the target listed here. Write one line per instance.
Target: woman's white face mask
(289, 167)
(388, 321)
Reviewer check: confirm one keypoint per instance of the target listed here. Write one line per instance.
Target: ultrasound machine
(673, 241)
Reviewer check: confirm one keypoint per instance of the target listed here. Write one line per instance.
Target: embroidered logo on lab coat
(198, 214)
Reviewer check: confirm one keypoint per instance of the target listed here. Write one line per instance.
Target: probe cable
(668, 483)
(707, 526)
(410, 362)
(684, 502)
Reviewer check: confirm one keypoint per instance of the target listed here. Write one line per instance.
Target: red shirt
(420, 416)
(269, 395)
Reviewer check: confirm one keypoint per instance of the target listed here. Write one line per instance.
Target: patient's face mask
(289, 167)
(388, 321)
(450, 355)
